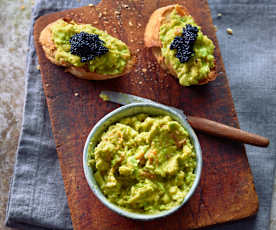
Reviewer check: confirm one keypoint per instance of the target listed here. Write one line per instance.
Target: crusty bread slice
(152, 39)
(49, 48)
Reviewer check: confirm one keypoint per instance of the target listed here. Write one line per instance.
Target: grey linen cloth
(37, 199)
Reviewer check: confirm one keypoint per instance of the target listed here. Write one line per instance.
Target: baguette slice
(83, 72)
(152, 39)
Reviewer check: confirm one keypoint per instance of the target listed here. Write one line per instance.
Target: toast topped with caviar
(179, 45)
(85, 51)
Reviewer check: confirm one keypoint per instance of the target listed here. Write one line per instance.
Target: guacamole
(144, 164)
(111, 63)
(198, 67)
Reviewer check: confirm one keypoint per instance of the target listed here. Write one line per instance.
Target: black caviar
(87, 46)
(184, 44)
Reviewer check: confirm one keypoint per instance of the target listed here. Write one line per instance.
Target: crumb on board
(104, 97)
(130, 23)
(76, 94)
(229, 31)
(144, 70)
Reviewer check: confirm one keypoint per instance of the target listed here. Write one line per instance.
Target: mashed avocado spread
(111, 63)
(198, 67)
(144, 164)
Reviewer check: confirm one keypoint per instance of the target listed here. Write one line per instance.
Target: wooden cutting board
(226, 191)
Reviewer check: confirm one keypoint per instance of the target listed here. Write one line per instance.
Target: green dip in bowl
(143, 160)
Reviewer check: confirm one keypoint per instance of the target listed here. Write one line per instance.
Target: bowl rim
(97, 191)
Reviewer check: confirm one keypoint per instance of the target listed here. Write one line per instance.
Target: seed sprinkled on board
(76, 94)
(229, 31)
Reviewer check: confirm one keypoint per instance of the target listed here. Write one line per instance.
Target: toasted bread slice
(83, 72)
(152, 39)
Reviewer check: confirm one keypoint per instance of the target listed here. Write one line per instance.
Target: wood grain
(226, 191)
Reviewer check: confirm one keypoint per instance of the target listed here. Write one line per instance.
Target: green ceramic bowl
(116, 115)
